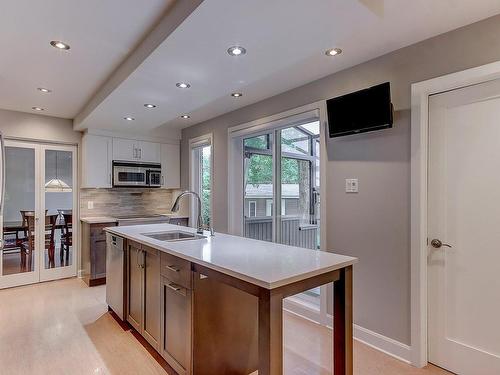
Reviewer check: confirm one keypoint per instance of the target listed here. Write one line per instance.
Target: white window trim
(250, 208)
(420, 93)
(269, 207)
(203, 140)
(263, 126)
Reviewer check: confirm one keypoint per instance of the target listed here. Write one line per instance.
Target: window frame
(195, 174)
(250, 208)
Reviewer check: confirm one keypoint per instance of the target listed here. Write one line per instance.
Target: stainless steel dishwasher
(115, 274)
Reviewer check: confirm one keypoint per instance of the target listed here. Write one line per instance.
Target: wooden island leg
(270, 333)
(342, 323)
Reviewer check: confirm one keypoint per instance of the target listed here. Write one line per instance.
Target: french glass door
(38, 213)
(281, 192)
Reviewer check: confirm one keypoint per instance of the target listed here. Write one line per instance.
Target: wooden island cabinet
(214, 305)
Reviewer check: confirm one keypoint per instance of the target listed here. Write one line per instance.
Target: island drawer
(176, 270)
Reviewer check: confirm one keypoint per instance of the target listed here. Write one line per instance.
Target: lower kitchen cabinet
(197, 324)
(94, 253)
(144, 291)
(176, 320)
(151, 296)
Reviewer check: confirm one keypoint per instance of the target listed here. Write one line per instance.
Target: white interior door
(464, 213)
(58, 199)
(19, 261)
(38, 217)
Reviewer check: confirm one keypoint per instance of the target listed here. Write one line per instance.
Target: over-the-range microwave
(136, 174)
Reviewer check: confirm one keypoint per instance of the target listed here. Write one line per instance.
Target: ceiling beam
(174, 16)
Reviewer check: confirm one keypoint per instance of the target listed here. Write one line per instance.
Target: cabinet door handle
(174, 287)
(173, 268)
(140, 153)
(162, 180)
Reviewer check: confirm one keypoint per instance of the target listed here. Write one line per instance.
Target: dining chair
(66, 232)
(28, 246)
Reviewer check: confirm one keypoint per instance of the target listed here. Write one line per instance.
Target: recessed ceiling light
(59, 45)
(185, 117)
(236, 51)
(128, 118)
(37, 109)
(149, 105)
(236, 94)
(183, 85)
(333, 51)
(43, 89)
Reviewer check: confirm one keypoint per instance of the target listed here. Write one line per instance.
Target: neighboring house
(259, 200)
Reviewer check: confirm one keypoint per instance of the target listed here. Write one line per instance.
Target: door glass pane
(18, 255)
(300, 191)
(206, 174)
(58, 250)
(258, 188)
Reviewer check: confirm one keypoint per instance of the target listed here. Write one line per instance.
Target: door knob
(438, 244)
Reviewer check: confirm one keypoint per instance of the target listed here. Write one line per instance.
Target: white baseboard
(382, 343)
(374, 340)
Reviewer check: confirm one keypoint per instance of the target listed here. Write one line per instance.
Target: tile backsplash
(118, 202)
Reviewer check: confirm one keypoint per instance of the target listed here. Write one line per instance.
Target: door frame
(38, 275)
(67, 271)
(420, 93)
(235, 177)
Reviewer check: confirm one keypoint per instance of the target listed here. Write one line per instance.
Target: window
(269, 207)
(252, 209)
(281, 174)
(201, 176)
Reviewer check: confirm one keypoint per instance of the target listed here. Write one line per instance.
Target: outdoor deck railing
(292, 231)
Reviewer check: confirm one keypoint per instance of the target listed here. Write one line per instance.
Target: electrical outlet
(351, 185)
(90, 205)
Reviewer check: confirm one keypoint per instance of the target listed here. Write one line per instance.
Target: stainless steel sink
(173, 235)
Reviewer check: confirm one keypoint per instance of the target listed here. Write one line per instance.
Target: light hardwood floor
(63, 327)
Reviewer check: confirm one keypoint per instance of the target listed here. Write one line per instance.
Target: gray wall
(374, 224)
(22, 125)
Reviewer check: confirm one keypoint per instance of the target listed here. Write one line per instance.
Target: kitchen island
(232, 291)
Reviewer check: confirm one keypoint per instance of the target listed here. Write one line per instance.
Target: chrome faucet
(175, 208)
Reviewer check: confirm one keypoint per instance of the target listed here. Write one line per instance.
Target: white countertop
(111, 219)
(99, 219)
(266, 264)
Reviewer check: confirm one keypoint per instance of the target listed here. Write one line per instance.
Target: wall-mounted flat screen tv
(361, 111)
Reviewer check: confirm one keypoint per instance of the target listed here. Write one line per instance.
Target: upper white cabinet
(132, 150)
(98, 153)
(124, 149)
(149, 151)
(96, 161)
(171, 166)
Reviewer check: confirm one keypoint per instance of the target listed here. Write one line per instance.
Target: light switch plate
(351, 185)
(90, 205)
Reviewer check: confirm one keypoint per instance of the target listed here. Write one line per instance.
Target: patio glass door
(281, 190)
(38, 216)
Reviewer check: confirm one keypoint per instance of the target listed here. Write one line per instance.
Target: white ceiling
(285, 40)
(101, 34)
